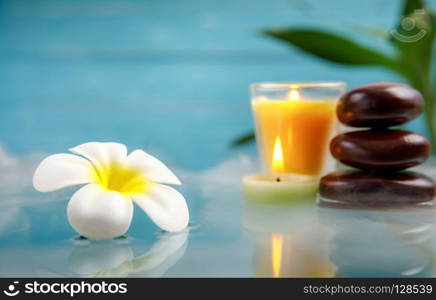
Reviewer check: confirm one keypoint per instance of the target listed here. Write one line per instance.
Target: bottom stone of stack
(360, 189)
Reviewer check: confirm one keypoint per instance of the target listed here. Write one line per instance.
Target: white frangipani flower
(103, 208)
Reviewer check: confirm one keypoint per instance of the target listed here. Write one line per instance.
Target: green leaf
(411, 5)
(331, 47)
(413, 38)
(243, 139)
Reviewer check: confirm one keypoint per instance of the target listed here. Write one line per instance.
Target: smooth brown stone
(380, 104)
(380, 150)
(367, 189)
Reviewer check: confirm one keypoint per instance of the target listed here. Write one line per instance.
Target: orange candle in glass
(294, 125)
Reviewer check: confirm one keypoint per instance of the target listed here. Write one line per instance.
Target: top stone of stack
(380, 105)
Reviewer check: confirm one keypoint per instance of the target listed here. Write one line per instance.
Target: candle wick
(278, 179)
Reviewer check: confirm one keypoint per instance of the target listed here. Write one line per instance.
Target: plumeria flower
(103, 208)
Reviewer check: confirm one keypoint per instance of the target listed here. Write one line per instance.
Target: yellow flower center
(117, 177)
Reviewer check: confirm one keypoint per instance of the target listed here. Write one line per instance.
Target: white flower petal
(99, 214)
(152, 168)
(165, 206)
(102, 154)
(61, 170)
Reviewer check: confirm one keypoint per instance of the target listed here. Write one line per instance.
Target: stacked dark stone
(381, 154)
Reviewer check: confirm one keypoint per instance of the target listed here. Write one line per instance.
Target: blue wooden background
(170, 77)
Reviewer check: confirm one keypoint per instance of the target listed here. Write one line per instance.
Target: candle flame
(276, 253)
(294, 95)
(277, 161)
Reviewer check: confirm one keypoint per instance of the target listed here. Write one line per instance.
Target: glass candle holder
(294, 125)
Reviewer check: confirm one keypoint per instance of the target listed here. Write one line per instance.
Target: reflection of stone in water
(380, 243)
(288, 242)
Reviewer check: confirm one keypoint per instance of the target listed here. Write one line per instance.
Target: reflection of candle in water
(286, 254)
(276, 253)
(277, 160)
(294, 95)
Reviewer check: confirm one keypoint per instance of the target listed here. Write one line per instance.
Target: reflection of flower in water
(90, 256)
(115, 258)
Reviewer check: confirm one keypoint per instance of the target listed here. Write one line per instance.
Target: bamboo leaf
(331, 47)
(413, 38)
